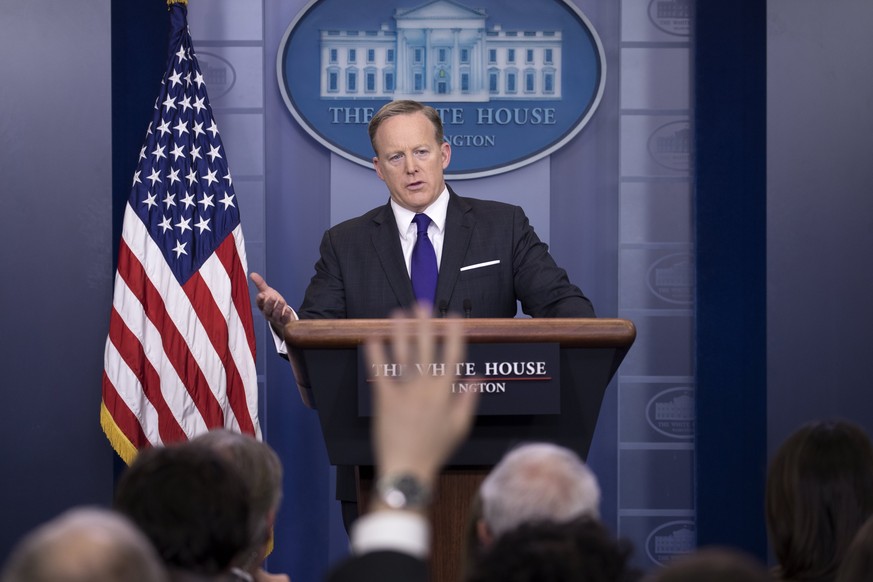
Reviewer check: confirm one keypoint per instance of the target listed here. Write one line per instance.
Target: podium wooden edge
(568, 332)
(303, 334)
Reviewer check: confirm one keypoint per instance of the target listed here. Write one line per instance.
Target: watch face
(402, 491)
(395, 498)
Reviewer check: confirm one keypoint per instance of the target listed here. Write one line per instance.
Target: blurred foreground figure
(533, 482)
(579, 550)
(85, 545)
(713, 565)
(857, 565)
(260, 467)
(193, 506)
(819, 493)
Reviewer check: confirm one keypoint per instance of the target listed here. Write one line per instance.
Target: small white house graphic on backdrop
(440, 51)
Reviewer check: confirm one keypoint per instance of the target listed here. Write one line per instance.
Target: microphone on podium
(468, 308)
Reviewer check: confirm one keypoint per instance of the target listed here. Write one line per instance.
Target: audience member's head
(581, 550)
(261, 468)
(537, 481)
(713, 564)
(192, 504)
(857, 565)
(819, 492)
(84, 545)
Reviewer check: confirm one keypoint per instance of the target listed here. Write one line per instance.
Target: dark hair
(404, 107)
(191, 503)
(819, 492)
(857, 565)
(714, 564)
(260, 468)
(582, 550)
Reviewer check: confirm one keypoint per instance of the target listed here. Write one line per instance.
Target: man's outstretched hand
(271, 303)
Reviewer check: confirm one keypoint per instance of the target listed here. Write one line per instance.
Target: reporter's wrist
(402, 491)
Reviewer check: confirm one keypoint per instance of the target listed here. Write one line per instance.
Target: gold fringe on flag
(171, 2)
(119, 442)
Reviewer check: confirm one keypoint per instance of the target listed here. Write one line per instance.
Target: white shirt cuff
(401, 531)
(278, 340)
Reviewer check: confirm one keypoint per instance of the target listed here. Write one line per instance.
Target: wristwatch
(403, 491)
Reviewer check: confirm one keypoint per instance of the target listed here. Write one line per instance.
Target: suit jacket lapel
(386, 242)
(459, 229)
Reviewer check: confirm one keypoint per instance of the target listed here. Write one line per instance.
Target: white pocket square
(480, 265)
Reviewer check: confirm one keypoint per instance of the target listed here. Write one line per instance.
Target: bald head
(85, 545)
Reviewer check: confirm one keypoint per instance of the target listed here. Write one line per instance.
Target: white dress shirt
(436, 230)
(400, 531)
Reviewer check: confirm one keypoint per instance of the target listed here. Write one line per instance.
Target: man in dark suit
(487, 254)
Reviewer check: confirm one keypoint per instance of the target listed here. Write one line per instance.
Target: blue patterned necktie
(423, 268)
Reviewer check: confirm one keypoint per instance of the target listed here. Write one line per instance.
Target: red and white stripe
(179, 359)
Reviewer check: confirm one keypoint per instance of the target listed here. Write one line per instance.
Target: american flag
(180, 356)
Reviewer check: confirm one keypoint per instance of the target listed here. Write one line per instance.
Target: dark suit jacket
(383, 566)
(362, 274)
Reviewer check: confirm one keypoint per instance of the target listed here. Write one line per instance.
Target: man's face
(410, 161)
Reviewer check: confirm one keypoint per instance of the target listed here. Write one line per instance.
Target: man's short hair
(404, 107)
(191, 503)
(84, 545)
(259, 466)
(538, 481)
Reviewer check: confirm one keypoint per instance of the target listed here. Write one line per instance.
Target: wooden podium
(324, 355)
